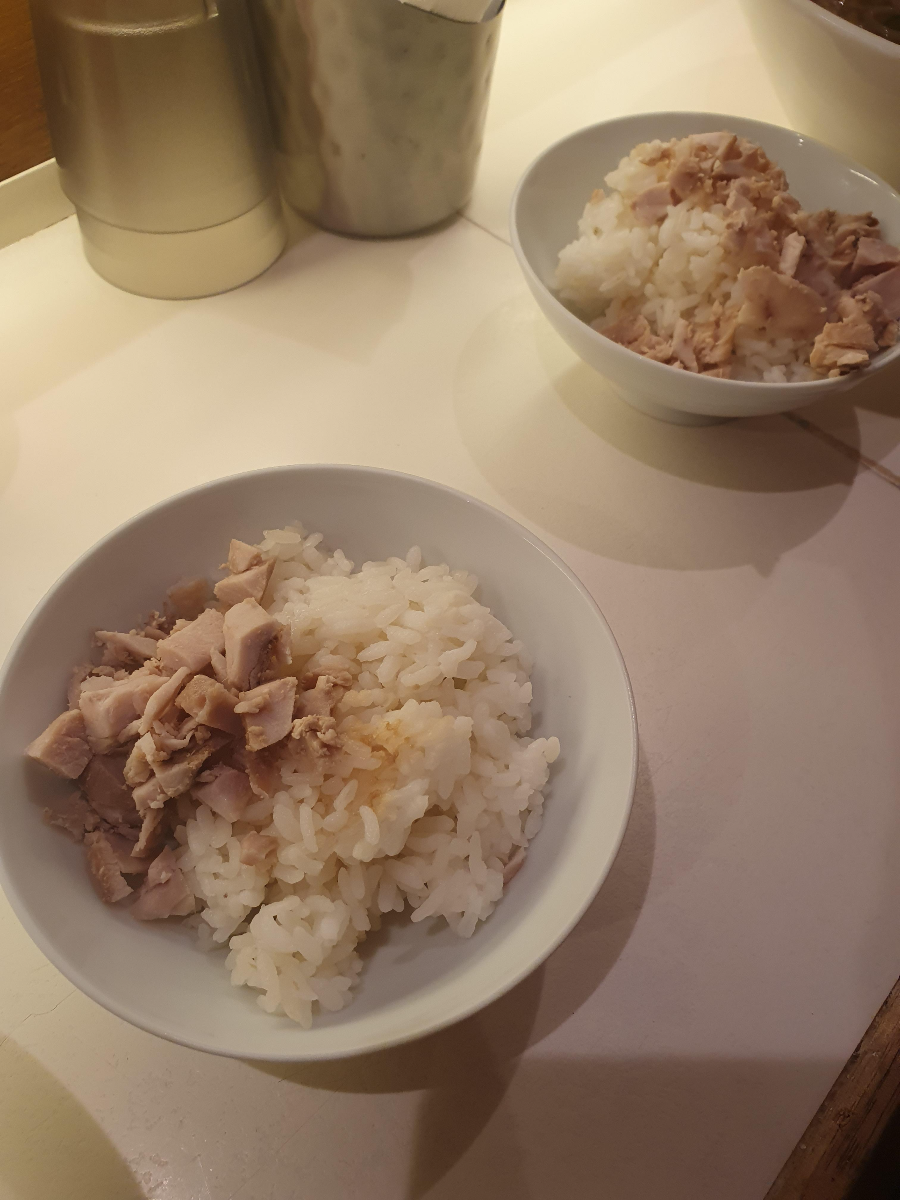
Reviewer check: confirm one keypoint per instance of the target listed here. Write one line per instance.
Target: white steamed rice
(434, 792)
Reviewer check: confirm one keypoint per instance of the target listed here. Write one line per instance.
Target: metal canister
(158, 123)
(377, 107)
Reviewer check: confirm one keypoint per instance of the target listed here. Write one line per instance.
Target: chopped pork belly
(63, 746)
(267, 712)
(250, 584)
(192, 646)
(256, 848)
(164, 893)
(211, 704)
(108, 793)
(225, 790)
(73, 814)
(249, 632)
(104, 869)
(241, 557)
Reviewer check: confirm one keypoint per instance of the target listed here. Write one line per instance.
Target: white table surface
(678, 1042)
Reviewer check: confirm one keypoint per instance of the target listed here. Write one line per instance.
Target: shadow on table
(654, 1129)
(50, 1146)
(467, 1068)
(879, 395)
(549, 434)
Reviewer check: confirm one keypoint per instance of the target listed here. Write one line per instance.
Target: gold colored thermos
(158, 125)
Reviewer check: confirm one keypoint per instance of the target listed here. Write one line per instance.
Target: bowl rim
(844, 28)
(811, 389)
(456, 1013)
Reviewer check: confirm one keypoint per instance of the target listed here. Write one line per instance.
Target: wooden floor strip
(831, 1157)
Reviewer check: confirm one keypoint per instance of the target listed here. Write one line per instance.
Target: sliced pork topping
(63, 746)
(267, 712)
(162, 699)
(73, 814)
(241, 557)
(791, 252)
(321, 691)
(124, 649)
(187, 599)
(107, 792)
(862, 330)
(208, 702)
(777, 305)
(149, 795)
(125, 853)
(256, 848)
(104, 869)
(886, 287)
(107, 709)
(652, 204)
(250, 584)
(177, 773)
(874, 256)
(225, 790)
(152, 835)
(192, 646)
(249, 634)
(164, 893)
(318, 734)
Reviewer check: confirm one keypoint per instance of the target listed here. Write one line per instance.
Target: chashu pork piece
(256, 848)
(250, 584)
(267, 712)
(124, 649)
(321, 692)
(107, 792)
(63, 746)
(863, 330)
(208, 702)
(193, 645)
(73, 814)
(164, 893)
(886, 287)
(791, 252)
(162, 699)
(651, 205)
(225, 790)
(250, 634)
(111, 706)
(319, 735)
(241, 557)
(152, 835)
(874, 256)
(778, 305)
(177, 773)
(104, 869)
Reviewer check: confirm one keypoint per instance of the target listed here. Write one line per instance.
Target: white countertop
(676, 1045)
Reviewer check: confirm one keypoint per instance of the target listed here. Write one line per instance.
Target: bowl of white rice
(569, 238)
(465, 801)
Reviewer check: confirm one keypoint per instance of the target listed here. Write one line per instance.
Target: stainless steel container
(378, 109)
(158, 124)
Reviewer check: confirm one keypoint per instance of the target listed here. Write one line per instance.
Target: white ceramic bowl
(837, 82)
(550, 199)
(416, 979)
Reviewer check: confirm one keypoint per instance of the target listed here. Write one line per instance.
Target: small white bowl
(549, 201)
(417, 978)
(837, 82)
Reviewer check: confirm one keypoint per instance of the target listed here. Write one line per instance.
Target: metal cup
(159, 128)
(378, 109)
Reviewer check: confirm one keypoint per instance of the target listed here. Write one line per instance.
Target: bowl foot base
(673, 416)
